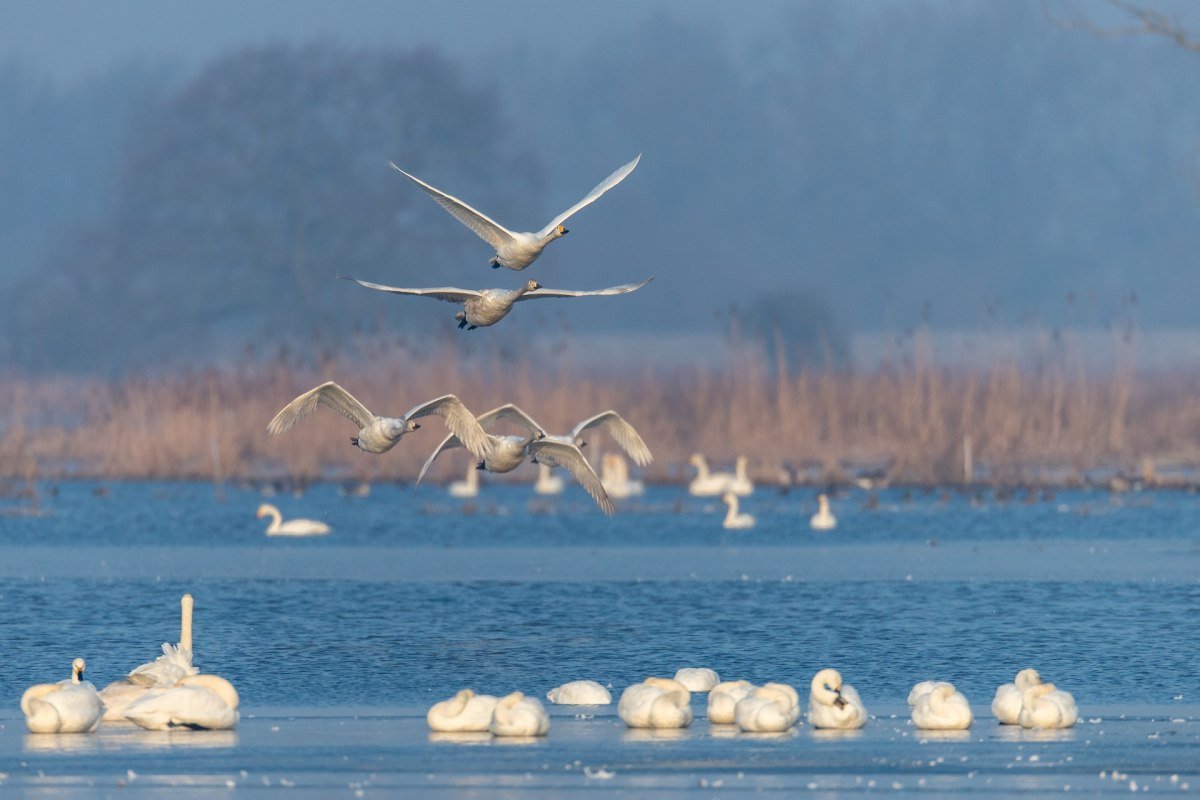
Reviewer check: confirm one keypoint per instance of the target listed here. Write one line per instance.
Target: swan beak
(533, 460)
(354, 441)
(564, 231)
(838, 701)
(481, 466)
(416, 426)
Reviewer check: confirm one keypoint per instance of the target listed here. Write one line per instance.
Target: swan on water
(614, 474)
(697, 679)
(380, 434)
(833, 704)
(506, 453)
(1006, 704)
(464, 712)
(518, 715)
(733, 520)
(707, 484)
(943, 708)
(1045, 706)
(201, 702)
(547, 482)
(166, 670)
(770, 708)
(516, 250)
(579, 693)
(468, 486)
(656, 703)
(823, 520)
(69, 706)
(484, 307)
(293, 527)
(921, 688)
(740, 484)
(723, 700)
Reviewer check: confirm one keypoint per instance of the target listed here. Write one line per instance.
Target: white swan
(770, 708)
(205, 702)
(293, 527)
(942, 709)
(174, 664)
(707, 484)
(697, 679)
(518, 715)
(379, 434)
(823, 520)
(468, 486)
(656, 703)
(464, 712)
(1044, 706)
(723, 700)
(547, 482)
(69, 706)
(516, 250)
(733, 520)
(579, 693)
(484, 307)
(921, 688)
(506, 453)
(614, 474)
(741, 485)
(832, 704)
(1006, 704)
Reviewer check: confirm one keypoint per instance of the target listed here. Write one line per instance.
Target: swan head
(822, 501)
(729, 498)
(265, 510)
(827, 687)
(77, 668)
(559, 231)
(411, 426)
(696, 460)
(532, 285)
(1026, 678)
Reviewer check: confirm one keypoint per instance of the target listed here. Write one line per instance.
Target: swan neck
(185, 622)
(732, 502)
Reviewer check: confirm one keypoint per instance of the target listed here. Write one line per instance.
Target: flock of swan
(165, 694)
(665, 703)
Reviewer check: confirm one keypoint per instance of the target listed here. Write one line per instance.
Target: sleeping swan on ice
(723, 700)
(518, 715)
(832, 704)
(697, 679)
(205, 702)
(464, 712)
(1006, 705)
(656, 703)
(579, 693)
(942, 709)
(163, 672)
(770, 708)
(1044, 706)
(69, 706)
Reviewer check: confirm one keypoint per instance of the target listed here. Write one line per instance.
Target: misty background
(182, 180)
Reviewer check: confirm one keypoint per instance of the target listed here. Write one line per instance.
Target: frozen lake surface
(339, 644)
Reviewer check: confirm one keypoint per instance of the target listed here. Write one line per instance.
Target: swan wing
(511, 413)
(624, 288)
(458, 419)
(327, 394)
(592, 196)
(569, 456)
(484, 226)
(447, 293)
(624, 434)
(448, 443)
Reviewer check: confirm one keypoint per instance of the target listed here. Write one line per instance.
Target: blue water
(350, 641)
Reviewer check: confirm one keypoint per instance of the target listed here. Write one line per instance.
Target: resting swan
(204, 702)
(733, 520)
(832, 704)
(614, 474)
(69, 706)
(166, 670)
(697, 679)
(741, 485)
(707, 484)
(547, 482)
(823, 520)
(656, 703)
(293, 527)
(379, 434)
(465, 712)
(518, 715)
(579, 693)
(516, 250)
(723, 700)
(770, 708)
(920, 689)
(942, 709)
(1045, 706)
(1006, 705)
(484, 307)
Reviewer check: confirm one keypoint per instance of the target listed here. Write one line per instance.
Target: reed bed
(1045, 421)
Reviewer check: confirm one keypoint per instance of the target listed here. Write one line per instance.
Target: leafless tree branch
(1147, 22)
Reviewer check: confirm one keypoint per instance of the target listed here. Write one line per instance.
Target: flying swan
(69, 706)
(484, 307)
(516, 250)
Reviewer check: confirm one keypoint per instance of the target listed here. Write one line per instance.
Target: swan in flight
(771, 708)
(723, 700)
(614, 474)
(656, 703)
(943, 708)
(733, 520)
(507, 452)
(484, 307)
(205, 702)
(823, 520)
(707, 484)
(832, 704)
(380, 434)
(741, 485)
(293, 527)
(579, 693)
(468, 486)
(1044, 706)
(697, 679)
(168, 669)
(518, 715)
(1006, 704)
(69, 706)
(516, 250)
(465, 712)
